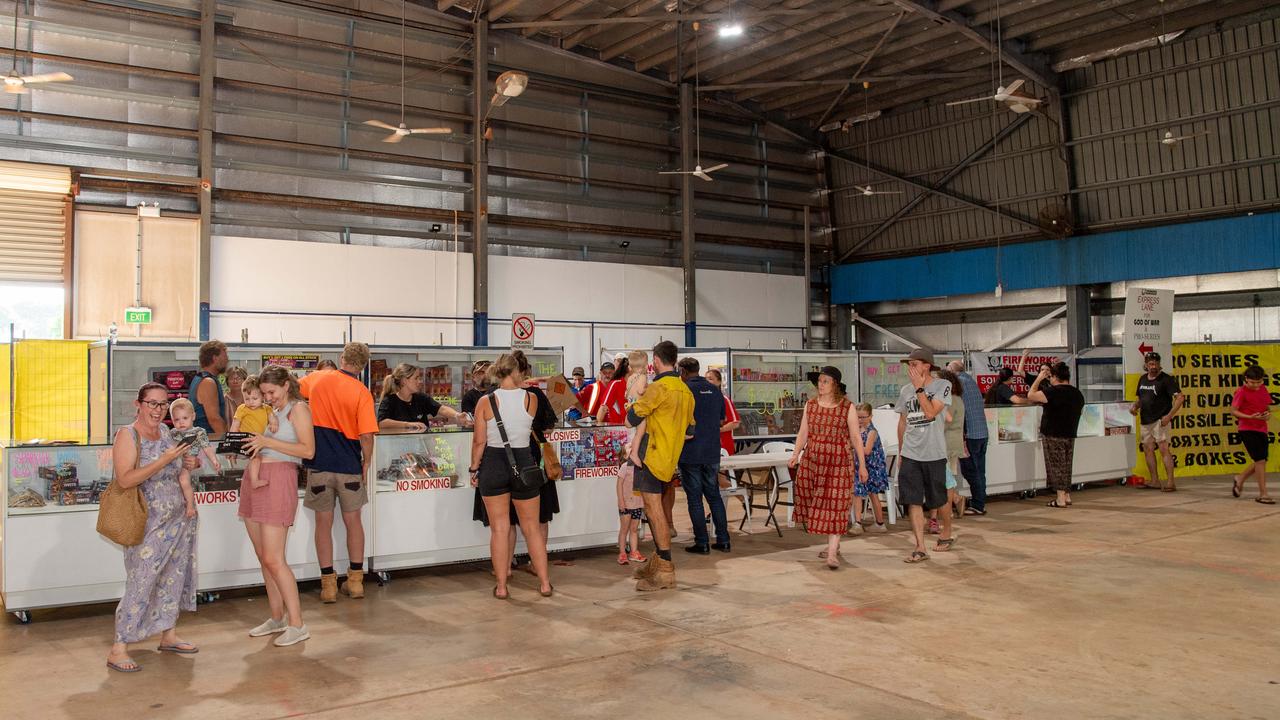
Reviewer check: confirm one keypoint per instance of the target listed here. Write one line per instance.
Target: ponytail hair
(394, 379)
(283, 377)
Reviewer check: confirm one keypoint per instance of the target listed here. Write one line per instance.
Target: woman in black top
(1002, 392)
(1063, 405)
(405, 407)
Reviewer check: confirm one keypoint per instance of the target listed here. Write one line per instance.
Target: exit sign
(138, 315)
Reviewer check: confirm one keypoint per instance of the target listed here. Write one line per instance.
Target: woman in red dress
(825, 447)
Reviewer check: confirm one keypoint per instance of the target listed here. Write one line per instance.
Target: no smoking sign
(522, 326)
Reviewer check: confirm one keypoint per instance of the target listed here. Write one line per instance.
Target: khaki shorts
(1155, 433)
(324, 489)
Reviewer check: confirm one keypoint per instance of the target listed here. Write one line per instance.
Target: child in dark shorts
(1251, 407)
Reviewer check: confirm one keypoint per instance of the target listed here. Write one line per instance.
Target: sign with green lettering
(138, 315)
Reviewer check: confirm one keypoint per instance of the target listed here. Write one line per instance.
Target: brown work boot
(354, 587)
(645, 569)
(663, 576)
(329, 588)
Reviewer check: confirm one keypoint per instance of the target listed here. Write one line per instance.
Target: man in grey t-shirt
(922, 449)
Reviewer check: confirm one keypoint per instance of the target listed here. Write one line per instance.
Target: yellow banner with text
(1204, 437)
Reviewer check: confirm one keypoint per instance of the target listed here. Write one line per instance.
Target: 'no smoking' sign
(522, 331)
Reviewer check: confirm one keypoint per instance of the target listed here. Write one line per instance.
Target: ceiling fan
(16, 84)
(1010, 96)
(1168, 139)
(698, 171)
(867, 191)
(403, 131)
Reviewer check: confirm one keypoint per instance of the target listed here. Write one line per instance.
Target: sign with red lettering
(418, 484)
(1148, 327)
(583, 473)
(563, 435)
(217, 497)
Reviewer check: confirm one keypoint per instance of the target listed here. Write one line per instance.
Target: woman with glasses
(160, 572)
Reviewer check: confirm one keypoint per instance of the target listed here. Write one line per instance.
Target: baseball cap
(923, 355)
(578, 371)
(1152, 356)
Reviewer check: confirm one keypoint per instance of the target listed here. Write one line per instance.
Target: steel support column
(208, 67)
(1079, 319)
(480, 93)
(686, 217)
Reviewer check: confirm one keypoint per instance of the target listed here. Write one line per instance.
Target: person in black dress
(405, 407)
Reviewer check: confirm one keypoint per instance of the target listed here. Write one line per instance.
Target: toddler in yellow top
(254, 416)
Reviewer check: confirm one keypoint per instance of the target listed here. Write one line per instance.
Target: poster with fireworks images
(593, 454)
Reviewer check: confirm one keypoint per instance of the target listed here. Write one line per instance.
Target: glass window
(34, 311)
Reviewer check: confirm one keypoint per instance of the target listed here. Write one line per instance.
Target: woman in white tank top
(491, 470)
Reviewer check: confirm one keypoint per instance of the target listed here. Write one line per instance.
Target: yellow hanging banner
(1204, 437)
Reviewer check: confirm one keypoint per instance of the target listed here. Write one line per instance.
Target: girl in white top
(491, 470)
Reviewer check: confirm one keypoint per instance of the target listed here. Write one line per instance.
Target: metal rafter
(940, 183)
(702, 43)
(1031, 66)
(710, 15)
(843, 40)
(866, 61)
(559, 12)
(622, 46)
(851, 159)
(574, 39)
(831, 82)
(502, 9)
(774, 39)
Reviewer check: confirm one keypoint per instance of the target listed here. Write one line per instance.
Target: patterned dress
(824, 485)
(160, 573)
(877, 469)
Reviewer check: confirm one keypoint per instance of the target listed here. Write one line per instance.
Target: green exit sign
(137, 315)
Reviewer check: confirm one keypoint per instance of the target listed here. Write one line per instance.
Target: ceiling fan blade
(47, 77)
(714, 168)
(888, 192)
(971, 100)
(1019, 108)
(674, 172)
(431, 131)
(702, 175)
(393, 138)
(380, 124)
(1013, 86)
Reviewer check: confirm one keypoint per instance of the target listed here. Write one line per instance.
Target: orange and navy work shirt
(304, 385)
(342, 411)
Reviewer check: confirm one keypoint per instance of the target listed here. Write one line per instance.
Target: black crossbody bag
(523, 478)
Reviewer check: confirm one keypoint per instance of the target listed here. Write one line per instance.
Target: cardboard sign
(560, 393)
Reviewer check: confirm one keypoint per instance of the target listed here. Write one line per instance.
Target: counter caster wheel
(23, 616)
(204, 598)
(383, 577)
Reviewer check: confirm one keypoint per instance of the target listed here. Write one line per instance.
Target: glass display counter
(424, 502)
(1015, 458)
(54, 556)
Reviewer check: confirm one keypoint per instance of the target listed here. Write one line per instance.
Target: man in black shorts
(922, 449)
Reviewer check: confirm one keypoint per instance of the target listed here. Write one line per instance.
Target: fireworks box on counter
(60, 478)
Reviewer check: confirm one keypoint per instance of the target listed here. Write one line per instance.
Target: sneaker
(856, 529)
(292, 636)
(878, 528)
(270, 627)
(933, 527)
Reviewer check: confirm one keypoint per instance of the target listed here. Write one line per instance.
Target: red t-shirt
(1249, 401)
(730, 415)
(615, 402)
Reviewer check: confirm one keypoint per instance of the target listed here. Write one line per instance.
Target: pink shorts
(276, 503)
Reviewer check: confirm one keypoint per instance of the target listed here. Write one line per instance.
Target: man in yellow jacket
(666, 408)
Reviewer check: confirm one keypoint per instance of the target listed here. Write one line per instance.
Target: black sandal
(916, 557)
(1054, 504)
(1265, 500)
(944, 545)
(1236, 487)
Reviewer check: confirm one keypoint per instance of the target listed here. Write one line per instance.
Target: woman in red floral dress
(825, 447)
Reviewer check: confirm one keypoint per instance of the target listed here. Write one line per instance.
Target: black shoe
(722, 547)
(698, 549)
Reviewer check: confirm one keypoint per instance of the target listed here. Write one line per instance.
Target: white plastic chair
(734, 490)
(783, 474)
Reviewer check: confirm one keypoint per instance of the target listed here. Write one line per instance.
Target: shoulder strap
(502, 431)
(137, 444)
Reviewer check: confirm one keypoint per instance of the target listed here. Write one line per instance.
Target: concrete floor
(1132, 604)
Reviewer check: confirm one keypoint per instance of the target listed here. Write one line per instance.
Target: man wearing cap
(592, 393)
(577, 383)
(1159, 401)
(922, 449)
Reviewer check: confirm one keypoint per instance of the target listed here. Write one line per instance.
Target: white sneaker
(878, 528)
(292, 636)
(270, 627)
(856, 529)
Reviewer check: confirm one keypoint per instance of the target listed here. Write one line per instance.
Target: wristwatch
(919, 390)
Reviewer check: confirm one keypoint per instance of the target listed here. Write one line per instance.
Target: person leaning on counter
(405, 407)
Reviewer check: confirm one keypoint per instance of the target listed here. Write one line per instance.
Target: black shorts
(647, 482)
(495, 472)
(922, 482)
(1255, 443)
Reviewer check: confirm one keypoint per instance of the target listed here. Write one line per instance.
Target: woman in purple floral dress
(160, 573)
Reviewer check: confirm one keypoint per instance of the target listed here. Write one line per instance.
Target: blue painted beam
(1235, 244)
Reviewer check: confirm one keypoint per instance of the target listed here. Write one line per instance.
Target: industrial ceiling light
(731, 30)
(509, 84)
